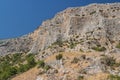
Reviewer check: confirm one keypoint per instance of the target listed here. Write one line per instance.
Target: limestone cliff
(91, 26)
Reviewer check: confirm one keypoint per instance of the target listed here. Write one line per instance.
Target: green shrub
(118, 46)
(81, 50)
(98, 48)
(16, 57)
(80, 78)
(114, 77)
(12, 70)
(22, 68)
(8, 63)
(109, 61)
(93, 12)
(72, 45)
(9, 71)
(58, 42)
(47, 67)
(75, 60)
(59, 56)
(29, 55)
(41, 64)
(4, 76)
(31, 62)
(77, 15)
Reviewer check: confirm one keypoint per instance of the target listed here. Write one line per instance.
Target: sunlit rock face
(90, 26)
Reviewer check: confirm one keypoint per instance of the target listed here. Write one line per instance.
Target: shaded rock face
(17, 45)
(92, 25)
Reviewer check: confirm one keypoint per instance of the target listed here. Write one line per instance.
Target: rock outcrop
(91, 26)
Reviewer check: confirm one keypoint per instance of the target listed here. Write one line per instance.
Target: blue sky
(19, 17)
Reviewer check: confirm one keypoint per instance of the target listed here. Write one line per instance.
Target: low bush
(80, 78)
(47, 67)
(41, 64)
(99, 48)
(31, 61)
(77, 15)
(22, 68)
(75, 60)
(8, 64)
(118, 46)
(58, 42)
(114, 77)
(81, 50)
(59, 56)
(93, 12)
(72, 45)
(109, 61)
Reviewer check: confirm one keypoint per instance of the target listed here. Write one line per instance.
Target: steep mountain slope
(88, 38)
(96, 24)
(93, 24)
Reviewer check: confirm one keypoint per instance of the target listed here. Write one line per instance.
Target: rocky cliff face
(93, 25)
(16, 45)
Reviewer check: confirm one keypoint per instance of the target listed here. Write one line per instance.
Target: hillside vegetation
(13, 64)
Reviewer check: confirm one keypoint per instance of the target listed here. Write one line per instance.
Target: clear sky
(19, 17)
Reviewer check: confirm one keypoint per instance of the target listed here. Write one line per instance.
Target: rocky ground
(76, 66)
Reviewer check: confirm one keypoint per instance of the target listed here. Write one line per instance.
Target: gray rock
(96, 24)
